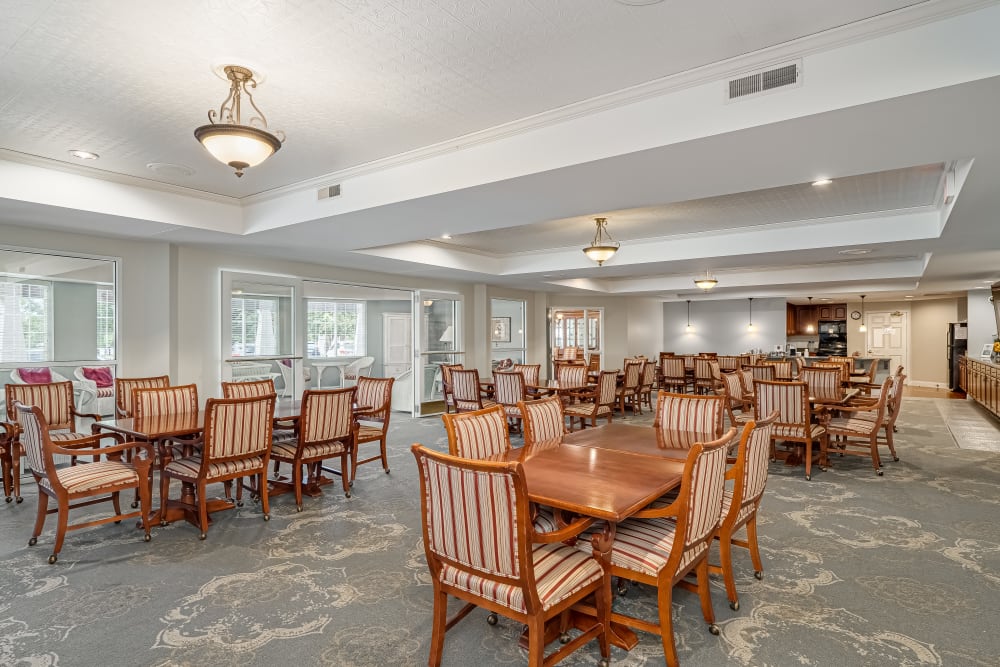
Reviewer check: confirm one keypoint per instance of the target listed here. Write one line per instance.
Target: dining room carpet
(902, 569)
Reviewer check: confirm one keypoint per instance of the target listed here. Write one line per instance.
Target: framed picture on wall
(986, 351)
(500, 330)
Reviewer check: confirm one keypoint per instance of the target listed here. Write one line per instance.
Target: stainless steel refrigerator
(957, 344)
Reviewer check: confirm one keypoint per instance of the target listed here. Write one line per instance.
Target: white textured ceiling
(370, 89)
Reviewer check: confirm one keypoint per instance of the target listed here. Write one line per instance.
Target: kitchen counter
(981, 381)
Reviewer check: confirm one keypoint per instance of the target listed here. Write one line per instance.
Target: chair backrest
(633, 373)
(375, 394)
(34, 439)
(733, 386)
(700, 497)
(570, 353)
(571, 375)
(895, 399)
(465, 388)
(702, 368)
(446, 370)
(749, 473)
(607, 388)
(509, 388)
(594, 361)
(673, 368)
(250, 389)
(746, 376)
(478, 434)
(54, 401)
(327, 416)
(842, 366)
(648, 376)
(789, 399)
(684, 419)
(843, 360)
(181, 399)
(125, 386)
(543, 421)
(237, 429)
(475, 519)
(782, 369)
(688, 362)
(529, 371)
(762, 372)
(823, 383)
(728, 363)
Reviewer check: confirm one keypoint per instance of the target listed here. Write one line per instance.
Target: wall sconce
(750, 325)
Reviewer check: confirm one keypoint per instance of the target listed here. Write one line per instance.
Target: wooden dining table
(639, 440)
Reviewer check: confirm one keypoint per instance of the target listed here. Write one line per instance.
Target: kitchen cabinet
(802, 320)
(791, 319)
(832, 311)
(840, 311)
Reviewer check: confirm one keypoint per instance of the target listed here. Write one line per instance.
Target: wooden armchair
(856, 428)
(236, 443)
(509, 391)
(84, 485)
(327, 428)
(763, 372)
(729, 363)
(673, 377)
(741, 502)
(124, 388)
(629, 391)
(530, 372)
(794, 422)
(524, 575)
(731, 388)
(466, 391)
(782, 370)
(449, 399)
(376, 395)
(55, 401)
(646, 382)
(282, 430)
(823, 383)
(478, 434)
(544, 422)
(706, 371)
(659, 546)
(596, 402)
(683, 419)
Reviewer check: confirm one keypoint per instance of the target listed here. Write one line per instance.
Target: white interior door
(887, 337)
(397, 343)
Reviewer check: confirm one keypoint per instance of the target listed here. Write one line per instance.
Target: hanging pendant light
(706, 282)
(809, 327)
(689, 328)
(229, 141)
(750, 325)
(603, 247)
(862, 328)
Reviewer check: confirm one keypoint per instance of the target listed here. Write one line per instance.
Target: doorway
(397, 343)
(888, 337)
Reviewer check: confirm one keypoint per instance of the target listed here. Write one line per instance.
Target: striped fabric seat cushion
(188, 467)
(586, 410)
(93, 477)
(544, 520)
(727, 503)
(560, 571)
(644, 545)
(286, 450)
(63, 436)
(284, 435)
(796, 431)
(367, 433)
(852, 426)
(472, 405)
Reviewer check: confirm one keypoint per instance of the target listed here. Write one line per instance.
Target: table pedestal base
(310, 487)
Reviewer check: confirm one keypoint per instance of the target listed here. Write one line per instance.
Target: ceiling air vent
(328, 192)
(761, 81)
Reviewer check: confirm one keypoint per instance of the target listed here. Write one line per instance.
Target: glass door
(438, 340)
(576, 334)
(507, 326)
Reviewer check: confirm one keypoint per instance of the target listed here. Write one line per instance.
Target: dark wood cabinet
(791, 320)
(840, 311)
(832, 311)
(802, 320)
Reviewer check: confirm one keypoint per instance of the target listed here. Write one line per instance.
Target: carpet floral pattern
(902, 569)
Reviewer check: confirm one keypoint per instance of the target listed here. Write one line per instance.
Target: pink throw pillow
(100, 375)
(35, 375)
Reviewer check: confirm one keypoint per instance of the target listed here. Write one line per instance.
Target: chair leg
(705, 594)
(15, 468)
(43, 507)
(876, 460)
(202, 501)
(726, 555)
(758, 564)
(536, 642)
(809, 458)
(344, 476)
(385, 456)
(164, 493)
(265, 502)
(888, 441)
(354, 462)
(62, 519)
(664, 595)
(145, 506)
(297, 484)
(438, 628)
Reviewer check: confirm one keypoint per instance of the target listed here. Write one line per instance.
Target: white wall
(721, 326)
(982, 320)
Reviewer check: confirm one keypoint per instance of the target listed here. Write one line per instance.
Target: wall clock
(855, 314)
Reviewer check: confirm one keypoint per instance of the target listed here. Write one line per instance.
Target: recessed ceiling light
(825, 298)
(855, 251)
(83, 155)
(446, 236)
(823, 181)
(908, 296)
(169, 169)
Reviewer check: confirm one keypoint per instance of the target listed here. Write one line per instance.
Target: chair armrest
(87, 415)
(112, 449)
(673, 509)
(855, 408)
(563, 534)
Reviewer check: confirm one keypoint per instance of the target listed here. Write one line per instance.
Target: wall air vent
(764, 80)
(328, 192)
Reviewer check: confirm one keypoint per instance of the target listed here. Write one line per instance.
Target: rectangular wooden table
(637, 439)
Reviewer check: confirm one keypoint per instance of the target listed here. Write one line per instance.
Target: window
(105, 322)
(335, 328)
(253, 326)
(25, 314)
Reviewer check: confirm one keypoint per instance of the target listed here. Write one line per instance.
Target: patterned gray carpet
(859, 570)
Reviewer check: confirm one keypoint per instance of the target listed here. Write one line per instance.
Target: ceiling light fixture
(83, 155)
(446, 237)
(862, 328)
(809, 327)
(689, 328)
(603, 247)
(750, 325)
(706, 282)
(855, 251)
(823, 181)
(229, 141)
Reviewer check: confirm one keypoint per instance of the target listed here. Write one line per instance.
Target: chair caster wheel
(33, 541)
(564, 638)
(879, 472)
(239, 504)
(604, 663)
(298, 508)
(347, 495)
(622, 588)
(203, 536)
(714, 629)
(52, 559)
(267, 517)
(735, 606)
(492, 618)
(147, 537)
(118, 522)
(8, 499)
(19, 500)
(895, 458)
(808, 477)
(135, 503)
(387, 470)
(758, 575)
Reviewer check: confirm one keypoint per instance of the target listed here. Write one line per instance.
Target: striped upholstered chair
(124, 388)
(55, 401)
(529, 371)
(729, 363)
(327, 428)
(282, 431)
(628, 392)
(478, 434)
(180, 399)
(763, 372)
(856, 429)
(782, 370)
(706, 372)
(525, 576)
(544, 422)
(794, 422)
(466, 392)
(672, 374)
(374, 394)
(449, 400)
(571, 375)
(80, 483)
(659, 546)
(823, 383)
(509, 390)
(236, 444)
(738, 408)
(740, 502)
(646, 383)
(682, 419)
(597, 403)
